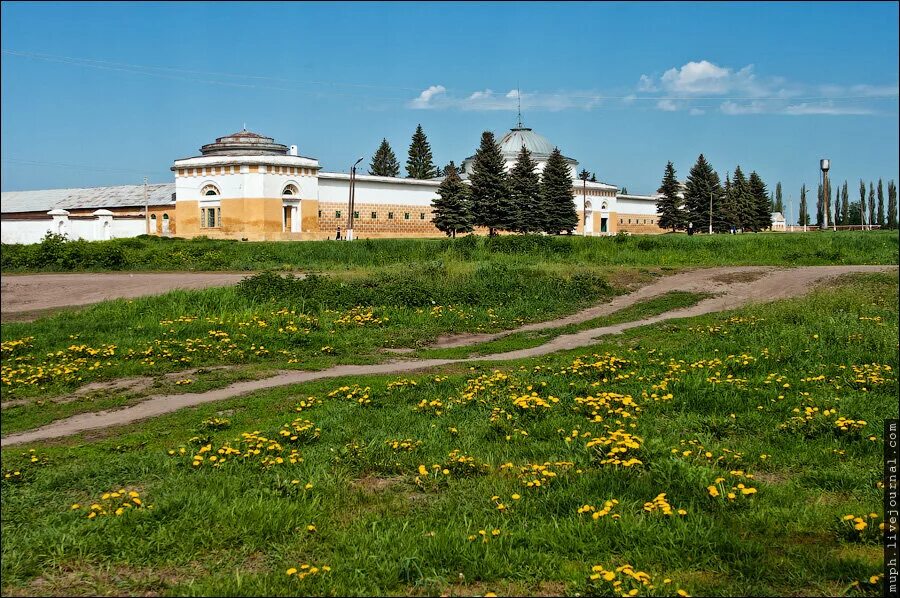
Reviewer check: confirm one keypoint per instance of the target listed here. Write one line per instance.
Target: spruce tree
(761, 209)
(845, 205)
(384, 162)
(701, 188)
(420, 164)
(593, 177)
(525, 192)
(624, 191)
(892, 206)
(880, 214)
(779, 200)
(556, 195)
(669, 206)
(489, 184)
(452, 207)
(742, 200)
(803, 219)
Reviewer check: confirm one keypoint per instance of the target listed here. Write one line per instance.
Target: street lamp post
(351, 200)
(710, 210)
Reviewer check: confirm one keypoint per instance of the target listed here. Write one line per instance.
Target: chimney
(293, 151)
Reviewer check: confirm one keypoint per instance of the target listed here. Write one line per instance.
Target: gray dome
(511, 143)
(244, 143)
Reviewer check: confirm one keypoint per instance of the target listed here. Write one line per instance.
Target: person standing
(337, 237)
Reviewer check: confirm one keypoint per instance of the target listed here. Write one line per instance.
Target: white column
(295, 219)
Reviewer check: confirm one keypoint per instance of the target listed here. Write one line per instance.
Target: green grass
(237, 529)
(152, 253)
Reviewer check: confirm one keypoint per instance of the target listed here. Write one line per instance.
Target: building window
(355, 214)
(209, 190)
(337, 214)
(421, 215)
(211, 217)
(406, 215)
(291, 189)
(374, 215)
(320, 213)
(390, 215)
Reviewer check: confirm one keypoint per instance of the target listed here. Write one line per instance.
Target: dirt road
(28, 296)
(737, 287)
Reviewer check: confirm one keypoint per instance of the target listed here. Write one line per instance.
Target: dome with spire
(511, 143)
(244, 143)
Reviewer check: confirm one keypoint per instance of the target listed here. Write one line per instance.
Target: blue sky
(102, 94)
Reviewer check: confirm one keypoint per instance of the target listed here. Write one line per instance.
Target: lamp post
(710, 210)
(825, 164)
(351, 201)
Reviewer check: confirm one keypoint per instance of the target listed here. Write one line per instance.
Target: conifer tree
(452, 207)
(384, 162)
(624, 191)
(892, 206)
(845, 205)
(669, 206)
(760, 211)
(489, 185)
(880, 214)
(420, 164)
(779, 200)
(584, 175)
(701, 188)
(742, 200)
(820, 208)
(556, 195)
(525, 192)
(593, 177)
(803, 219)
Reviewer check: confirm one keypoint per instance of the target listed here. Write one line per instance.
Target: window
(390, 215)
(406, 215)
(211, 217)
(290, 189)
(355, 214)
(421, 215)
(374, 215)
(337, 214)
(320, 213)
(209, 190)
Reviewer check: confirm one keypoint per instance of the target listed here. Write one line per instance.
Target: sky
(107, 93)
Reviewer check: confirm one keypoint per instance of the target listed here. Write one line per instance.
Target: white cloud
(735, 108)
(667, 105)
(827, 108)
(424, 101)
(696, 77)
(646, 84)
(696, 112)
(438, 97)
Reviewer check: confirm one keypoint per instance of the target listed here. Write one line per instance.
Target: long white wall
(32, 231)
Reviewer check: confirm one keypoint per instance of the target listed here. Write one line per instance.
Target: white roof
(382, 179)
(119, 196)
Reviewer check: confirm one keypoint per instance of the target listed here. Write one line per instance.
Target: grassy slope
(779, 249)
(237, 529)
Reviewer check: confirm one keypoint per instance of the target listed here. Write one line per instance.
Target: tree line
(419, 163)
(744, 202)
(842, 211)
(741, 203)
(521, 201)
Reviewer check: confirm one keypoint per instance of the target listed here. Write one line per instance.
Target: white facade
(334, 187)
(102, 226)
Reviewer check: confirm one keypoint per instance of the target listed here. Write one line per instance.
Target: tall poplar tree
(820, 208)
(779, 200)
(420, 164)
(384, 162)
(525, 192)
(452, 206)
(862, 203)
(845, 205)
(669, 206)
(556, 195)
(489, 184)
(871, 214)
(892, 206)
(880, 214)
(803, 218)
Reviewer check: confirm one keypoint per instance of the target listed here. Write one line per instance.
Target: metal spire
(519, 99)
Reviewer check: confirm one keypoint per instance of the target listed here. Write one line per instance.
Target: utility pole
(791, 210)
(352, 200)
(825, 164)
(710, 210)
(146, 207)
(583, 193)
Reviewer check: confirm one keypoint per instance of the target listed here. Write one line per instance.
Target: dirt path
(742, 286)
(28, 296)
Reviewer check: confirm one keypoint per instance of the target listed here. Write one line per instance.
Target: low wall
(91, 228)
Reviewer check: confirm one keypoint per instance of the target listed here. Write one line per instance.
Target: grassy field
(153, 253)
(718, 455)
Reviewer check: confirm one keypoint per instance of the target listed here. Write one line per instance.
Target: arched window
(603, 206)
(209, 190)
(291, 189)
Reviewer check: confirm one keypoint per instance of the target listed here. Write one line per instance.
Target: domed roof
(511, 143)
(244, 143)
